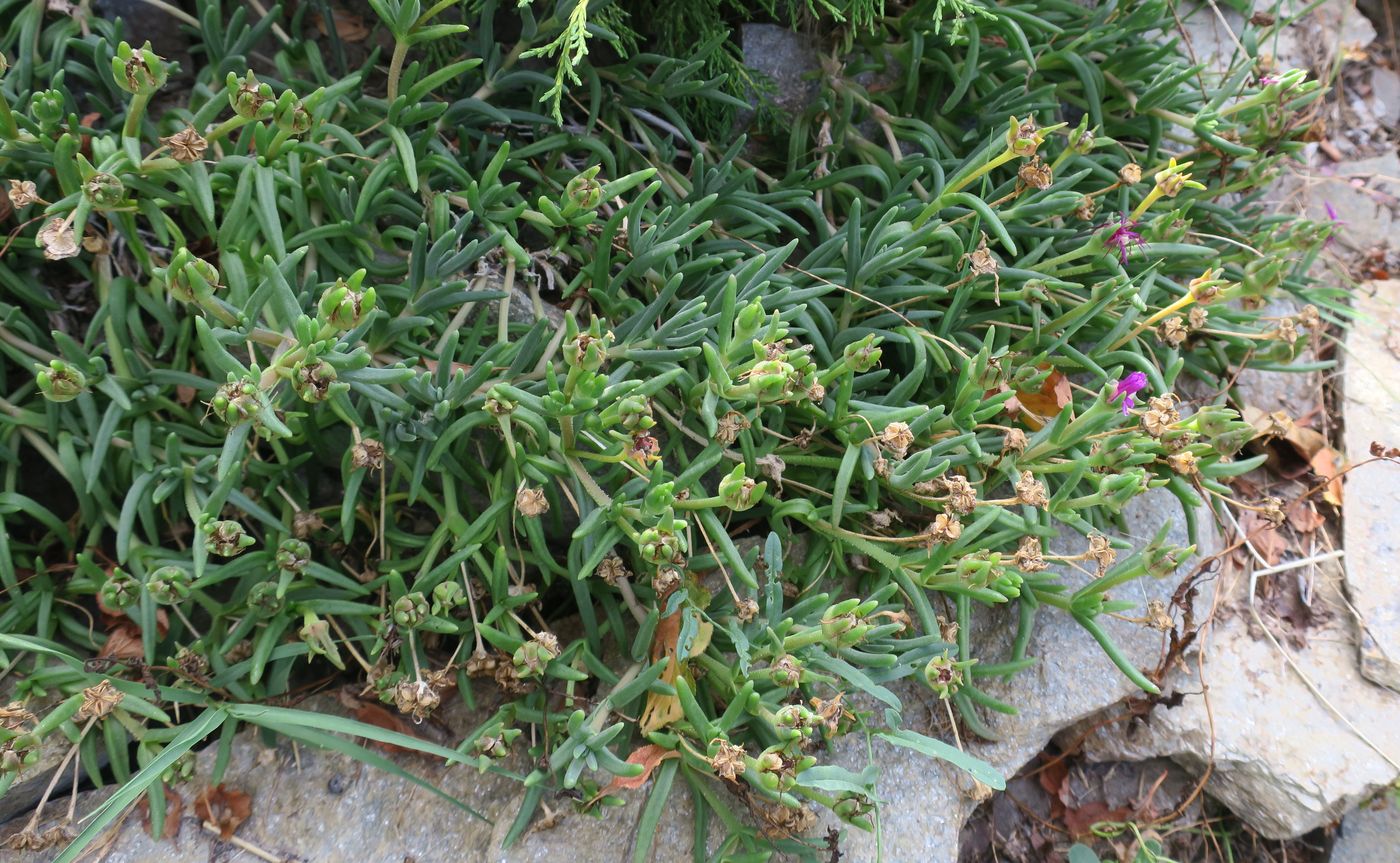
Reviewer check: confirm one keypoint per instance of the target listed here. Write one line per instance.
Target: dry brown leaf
(1040, 405)
(1324, 464)
(123, 642)
(348, 26)
(382, 717)
(649, 756)
(661, 710)
(1266, 540)
(226, 808)
(174, 808)
(1303, 516)
(1080, 820)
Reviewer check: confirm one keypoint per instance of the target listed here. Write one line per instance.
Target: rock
(1370, 834)
(1385, 95)
(1306, 43)
(1279, 757)
(1296, 393)
(788, 58)
(927, 802)
(1373, 493)
(1364, 194)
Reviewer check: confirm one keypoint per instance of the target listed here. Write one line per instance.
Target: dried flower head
(418, 698)
(23, 193)
(612, 570)
(1309, 317)
(1173, 331)
(186, 145)
(1197, 317)
(982, 261)
(944, 528)
(1014, 440)
(1130, 174)
(728, 760)
(1271, 508)
(729, 426)
(99, 701)
(1157, 616)
(745, 610)
(367, 453)
(1029, 556)
(1101, 551)
(962, 497)
(1183, 462)
(1036, 174)
(1086, 209)
(56, 238)
(1287, 331)
(1031, 491)
(897, 438)
(531, 502)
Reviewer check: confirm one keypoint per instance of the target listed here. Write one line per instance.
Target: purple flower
(1133, 383)
(1337, 222)
(1124, 236)
(1267, 80)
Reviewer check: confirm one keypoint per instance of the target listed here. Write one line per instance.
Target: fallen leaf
(661, 710)
(1324, 464)
(1080, 820)
(1303, 516)
(381, 717)
(123, 642)
(226, 808)
(1047, 401)
(174, 807)
(348, 26)
(649, 756)
(1266, 540)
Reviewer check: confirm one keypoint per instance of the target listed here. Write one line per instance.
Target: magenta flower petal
(1127, 388)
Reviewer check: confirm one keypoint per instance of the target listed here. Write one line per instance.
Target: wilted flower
(612, 570)
(1173, 331)
(1036, 174)
(944, 528)
(727, 760)
(99, 701)
(531, 502)
(23, 193)
(1013, 441)
(1028, 556)
(962, 497)
(1101, 551)
(186, 145)
(1130, 173)
(897, 438)
(367, 453)
(56, 238)
(1031, 491)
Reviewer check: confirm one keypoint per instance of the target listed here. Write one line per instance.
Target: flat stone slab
(1370, 834)
(1372, 501)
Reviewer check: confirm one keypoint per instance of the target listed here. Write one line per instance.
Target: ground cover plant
(494, 360)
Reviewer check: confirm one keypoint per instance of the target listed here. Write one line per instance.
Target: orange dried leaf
(1040, 405)
(226, 808)
(1324, 464)
(649, 756)
(123, 642)
(174, 807)
(1303, 516)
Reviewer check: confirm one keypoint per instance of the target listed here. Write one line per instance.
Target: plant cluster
(472, 372)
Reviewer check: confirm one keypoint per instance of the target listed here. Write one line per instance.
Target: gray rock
(1363, 193)
(1369, 835)
(790, 59)
(1296, 393)
(1373, 493)
(1280, 758)
(1385, 95)
(927, 802)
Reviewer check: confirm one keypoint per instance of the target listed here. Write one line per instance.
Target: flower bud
(769, 379)
(226, 538)
(588, 350)
(236, 401)
(944, 675)
(862, 356)
(314, 381)
(344, 306)
(190, 279)
(410, 609)
(249, 98)
(47, 108)
(531, 657)
(583, 191)
(263, 599)
(61, 381)
(786, 671)
(104, 191)
(1023, 138)
(120, 590)
(316, 633)
(634, 412)
(290, 114)
(447, 595)
(168, 585)
(138, 71)
(740, 492)
(660, 545)
(293, 555)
